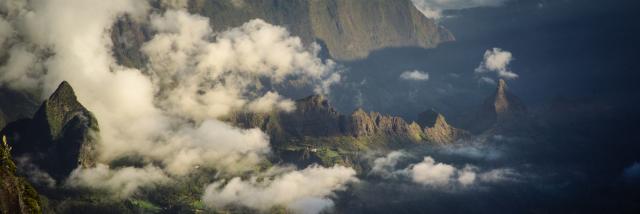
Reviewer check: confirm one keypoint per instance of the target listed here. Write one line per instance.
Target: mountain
(437, 130)
(348, 29)
(316, 132)
(500, 110)
(16, 194)
(504, 105)
(59, 137)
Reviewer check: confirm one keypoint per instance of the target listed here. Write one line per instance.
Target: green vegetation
(18, 196)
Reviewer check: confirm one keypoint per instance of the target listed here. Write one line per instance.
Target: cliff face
(315, 118)
(16, 194)
(374, 123)
(59, 137)
(349, 29)
(437, 130)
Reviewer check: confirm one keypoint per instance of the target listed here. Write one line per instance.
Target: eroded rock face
(374, 123)
(437, 130)
(16, 194)
(505, 105)
(349, 29)
(315, 117)
(61, 136)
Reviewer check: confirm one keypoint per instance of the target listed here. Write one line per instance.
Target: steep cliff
(437, 130)
(16, 194)
(59, 137)
(349, 29)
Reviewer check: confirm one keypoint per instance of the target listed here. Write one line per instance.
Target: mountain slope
(59, 137)
(501, 110)
(437, 130)
(16, 194)
(349, 29)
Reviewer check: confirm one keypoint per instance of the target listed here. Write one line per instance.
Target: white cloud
(415, 75)
(434, 8)
(222, 74)
(497, 60)
(467, 175)
(304, 191)
(123, 182)
(385, 166)
(430, 173)
(33, 173)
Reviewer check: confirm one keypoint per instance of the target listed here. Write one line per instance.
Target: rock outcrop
(314, 117)
(60, 137)
(374, 123)
(16, 194)
(500, 110)
(437, 130)
(349, 29)
(505, 105)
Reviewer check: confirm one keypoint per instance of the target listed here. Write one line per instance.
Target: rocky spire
(437, 130)
(505, 104)
(59, 109)
(61, 135)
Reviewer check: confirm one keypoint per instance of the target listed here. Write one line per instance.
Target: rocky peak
(437, 130)
(504, 104)
(59, 109)
(61, 136)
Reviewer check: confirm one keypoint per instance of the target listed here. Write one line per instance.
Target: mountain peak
(436, 128)
(429, 118)
(59, 109)
(63, 92)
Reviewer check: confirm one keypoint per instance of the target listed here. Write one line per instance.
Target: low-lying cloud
(304, 191)
(435, 174)
(434, 8)
(122, 182)
(415, 75)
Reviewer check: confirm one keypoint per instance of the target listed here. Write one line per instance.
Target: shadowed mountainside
(59, 137)
(16, 194)
(348, 29)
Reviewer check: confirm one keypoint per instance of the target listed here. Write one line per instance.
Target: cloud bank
(434, 8)
(303, 191)
(435, 174)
